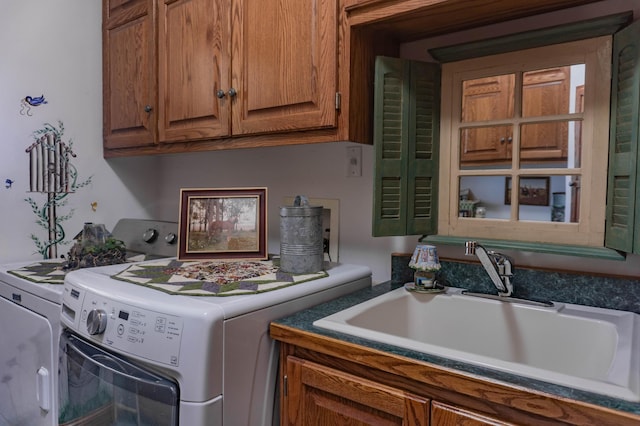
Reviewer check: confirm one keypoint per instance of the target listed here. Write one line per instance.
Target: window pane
(483, 197)
(545, 92)
(552, 144)
(549, 198)
(488, 98)
(552, 91)
(486, 146)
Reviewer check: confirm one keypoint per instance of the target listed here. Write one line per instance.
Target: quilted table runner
(221, 278)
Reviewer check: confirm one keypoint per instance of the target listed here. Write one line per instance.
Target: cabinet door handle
(232, 92)
(502, 140)
(148, 108)
(220, 94)
(509, 139)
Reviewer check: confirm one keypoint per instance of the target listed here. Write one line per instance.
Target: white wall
(318, 171)
(53, 48)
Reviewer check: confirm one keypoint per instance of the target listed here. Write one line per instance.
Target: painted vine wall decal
(51, 173)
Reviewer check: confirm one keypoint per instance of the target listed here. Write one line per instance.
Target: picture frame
(533, 191)
(223, 224)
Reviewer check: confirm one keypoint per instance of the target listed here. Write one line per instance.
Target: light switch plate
(354, 161)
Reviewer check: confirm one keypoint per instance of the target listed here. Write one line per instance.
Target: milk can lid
(300, 207)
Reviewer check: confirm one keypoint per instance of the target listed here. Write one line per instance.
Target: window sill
(560, 249)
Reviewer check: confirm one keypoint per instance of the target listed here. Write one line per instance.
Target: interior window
(524, 138)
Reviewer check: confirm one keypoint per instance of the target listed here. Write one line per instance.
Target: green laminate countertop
(303, 321)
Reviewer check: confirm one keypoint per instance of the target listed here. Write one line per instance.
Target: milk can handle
(301, 200)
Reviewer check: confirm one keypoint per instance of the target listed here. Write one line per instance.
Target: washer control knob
(171, 238)
(96, 321)
(150, 235)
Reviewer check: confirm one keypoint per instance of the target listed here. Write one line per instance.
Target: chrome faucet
(498, 266)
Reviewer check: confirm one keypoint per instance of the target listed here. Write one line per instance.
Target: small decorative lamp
(425, 262)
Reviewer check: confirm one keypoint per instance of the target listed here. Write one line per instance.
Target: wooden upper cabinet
(193, 66)
(129, 88)
(284, 65)
(223, 69)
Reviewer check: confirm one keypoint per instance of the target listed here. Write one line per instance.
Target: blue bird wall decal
(29, 101)
(37, 101)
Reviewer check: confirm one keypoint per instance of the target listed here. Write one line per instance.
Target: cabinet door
(448, 415)
(129, 78)
(319, 395)
(284, 63)
(193, 66)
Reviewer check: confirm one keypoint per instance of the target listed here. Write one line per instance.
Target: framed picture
(225, 223)
(533, 191)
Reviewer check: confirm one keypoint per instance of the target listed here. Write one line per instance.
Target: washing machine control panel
(122, 327)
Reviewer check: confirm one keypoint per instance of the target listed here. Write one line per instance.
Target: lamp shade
(425, 258)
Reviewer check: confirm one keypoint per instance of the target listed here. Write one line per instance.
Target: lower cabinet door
(448, 415)
(318, 395)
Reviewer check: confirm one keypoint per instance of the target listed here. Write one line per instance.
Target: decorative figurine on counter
(426, 263)
(51, 173)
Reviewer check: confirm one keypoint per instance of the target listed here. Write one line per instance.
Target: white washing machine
(136, 355)
(30, 318)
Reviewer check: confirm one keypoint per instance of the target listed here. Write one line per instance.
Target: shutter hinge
(285, 386)
(338, 101)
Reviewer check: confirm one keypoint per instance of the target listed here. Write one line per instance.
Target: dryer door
(98, 387)
(27, 365)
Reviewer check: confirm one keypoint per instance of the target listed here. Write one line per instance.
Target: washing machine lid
(100, 280)
(142, 237)
(50, 292)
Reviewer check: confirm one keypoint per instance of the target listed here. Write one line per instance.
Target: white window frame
(589, 231)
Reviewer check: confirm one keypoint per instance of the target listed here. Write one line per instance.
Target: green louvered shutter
(406, 112)
(623, 197)
(422, 165)
(390, 130)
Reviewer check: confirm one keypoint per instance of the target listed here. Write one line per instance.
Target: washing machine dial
(150, 235)
(96, 321)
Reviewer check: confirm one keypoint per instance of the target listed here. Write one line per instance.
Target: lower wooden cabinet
(320, 395)
(327, 382)
(449, 415)
(316, 394)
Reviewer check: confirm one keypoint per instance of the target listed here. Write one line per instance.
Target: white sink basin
(587, 348)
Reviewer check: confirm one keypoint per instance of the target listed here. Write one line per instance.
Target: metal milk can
(301, 245)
